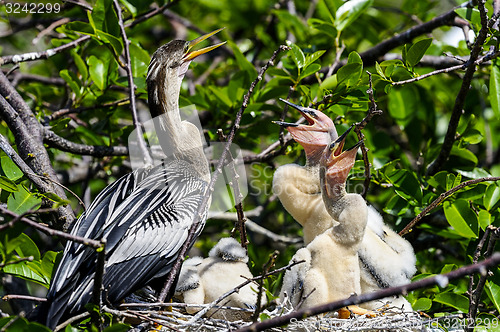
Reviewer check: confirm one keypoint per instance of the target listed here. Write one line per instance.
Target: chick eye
(186, 47)
(175, 64)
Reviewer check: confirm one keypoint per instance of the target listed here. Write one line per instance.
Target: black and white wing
(145, 217)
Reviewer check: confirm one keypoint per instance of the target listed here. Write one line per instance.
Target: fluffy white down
(228, 249)
(331, 272)
(222, 271)
(389, 255)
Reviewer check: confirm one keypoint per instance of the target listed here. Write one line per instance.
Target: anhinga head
(178, 139)
(337, 164)
(166, 70)
(313, 136)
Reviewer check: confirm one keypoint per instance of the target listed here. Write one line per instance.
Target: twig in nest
(270, 263)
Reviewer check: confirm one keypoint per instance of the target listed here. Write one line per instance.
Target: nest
(391, 319)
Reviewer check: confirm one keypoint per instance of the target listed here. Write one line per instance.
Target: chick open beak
(308, 114)
(189, 56)
(313, 136)
(339, 162)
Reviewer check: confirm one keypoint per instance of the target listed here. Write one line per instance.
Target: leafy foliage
(80, 94)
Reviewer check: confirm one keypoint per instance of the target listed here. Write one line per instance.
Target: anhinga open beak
(189, 56)
(313, 136)
(338, 162)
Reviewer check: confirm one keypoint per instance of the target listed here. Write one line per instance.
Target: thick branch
(55, 141)
(32, 152)
(442, 280)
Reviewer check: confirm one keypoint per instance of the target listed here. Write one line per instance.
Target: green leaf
(491, 196)
(349, 73)
(221, 94)
(417, 51)
(131, 9)
(311, 69)
(116, 43)
(472, 136)
(470, 14)
(72, 81)
(354, 57)
(49, 263)
(453, 300)
(139, 60)
(7, 185)
(54, 198)
(297, 55)
(242, 61)
(27, 270)
(19, 324)
(98, 72)
(397, 206)
(493, 291)
(330, 83)
(22, 201)
(310, 58)
(117, 327)
(406, 183)
(422, 304)
(325, 27)
(104, 18)
(485, 219)
(461, 217)
(494, 92)
(349, 12)
(27, 248)
(80, 64)
(379, 70)
(81, 27)
(10, 169)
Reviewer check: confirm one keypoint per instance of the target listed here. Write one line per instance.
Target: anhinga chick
(205, 280)
(297, 187)
(386, 259)
(331, 271)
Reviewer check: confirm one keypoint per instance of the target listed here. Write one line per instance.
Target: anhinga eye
(175, 64)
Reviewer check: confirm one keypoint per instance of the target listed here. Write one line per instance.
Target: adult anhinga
(145, 216)
(385, 258)
(331, 271)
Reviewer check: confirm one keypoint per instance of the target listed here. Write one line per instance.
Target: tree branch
(148, 161)
(56, 141)
(372, 111)
(442, 280)
(52, 232)
(478, 62)
(31, 150)
(441, 198)
(456, 113)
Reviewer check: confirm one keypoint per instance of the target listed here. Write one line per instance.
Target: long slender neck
(349, 210)
(178, 139)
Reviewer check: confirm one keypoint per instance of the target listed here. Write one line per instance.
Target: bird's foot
(346, 312)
